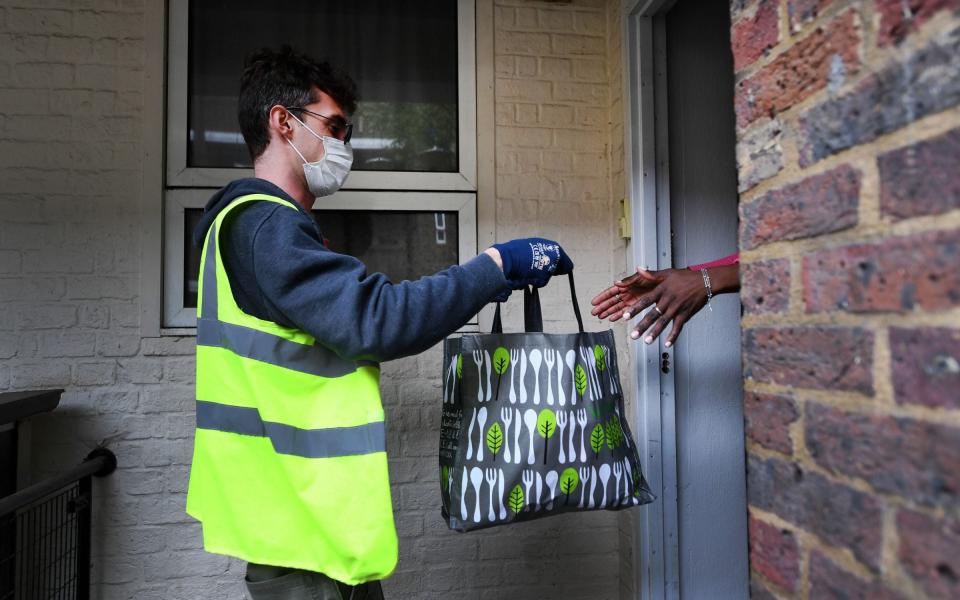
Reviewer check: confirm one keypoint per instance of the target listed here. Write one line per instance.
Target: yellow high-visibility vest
(289, 462)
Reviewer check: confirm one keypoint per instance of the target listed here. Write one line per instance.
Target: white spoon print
(604, 478)
(530, 420)
(552, 478)
(535, 359)
(476, 478)
(463, 496)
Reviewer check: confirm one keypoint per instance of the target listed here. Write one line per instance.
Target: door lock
(665, 362)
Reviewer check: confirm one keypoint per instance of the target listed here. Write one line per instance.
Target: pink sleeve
(733, 259)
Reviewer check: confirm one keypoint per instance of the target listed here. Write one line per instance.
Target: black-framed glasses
(336, 125)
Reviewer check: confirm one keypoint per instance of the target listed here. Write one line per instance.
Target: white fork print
(550, 359)
(514, 359)
(561, 425)
(527, 484)
(506, 415)
(584, 478)
(490, 476)
(478, 360)
(582, 422)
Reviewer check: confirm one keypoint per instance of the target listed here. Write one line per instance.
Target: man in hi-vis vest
(289, 468)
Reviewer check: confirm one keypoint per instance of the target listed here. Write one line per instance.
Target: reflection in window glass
(402, 54)
(403, 245)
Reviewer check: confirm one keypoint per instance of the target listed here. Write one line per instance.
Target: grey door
(711, 490)
(693, 544)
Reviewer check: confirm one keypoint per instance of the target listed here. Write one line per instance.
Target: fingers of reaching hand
(675, 330)
(641, 303)
(604, 300)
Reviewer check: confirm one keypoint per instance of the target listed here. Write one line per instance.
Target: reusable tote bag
(533, 425)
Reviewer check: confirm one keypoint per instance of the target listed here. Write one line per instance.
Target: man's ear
(280, 122)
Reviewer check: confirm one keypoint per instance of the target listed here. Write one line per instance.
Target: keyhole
(665, 362)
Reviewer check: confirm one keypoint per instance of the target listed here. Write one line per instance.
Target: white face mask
(326, 176)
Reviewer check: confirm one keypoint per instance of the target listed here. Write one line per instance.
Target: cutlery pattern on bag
(550, 424)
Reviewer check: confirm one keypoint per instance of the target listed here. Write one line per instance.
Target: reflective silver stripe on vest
(286, 439)
(268, 348)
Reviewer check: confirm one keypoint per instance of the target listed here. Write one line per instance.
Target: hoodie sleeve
(359, 315)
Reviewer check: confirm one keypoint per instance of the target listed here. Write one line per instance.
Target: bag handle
(533, 314)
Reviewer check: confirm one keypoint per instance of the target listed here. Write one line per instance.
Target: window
(409, 206)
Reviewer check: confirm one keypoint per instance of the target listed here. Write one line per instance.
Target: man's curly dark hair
(284, 77)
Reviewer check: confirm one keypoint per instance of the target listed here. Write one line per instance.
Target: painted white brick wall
(70, 149)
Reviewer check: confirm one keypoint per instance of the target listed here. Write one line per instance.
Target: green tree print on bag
(546, 427)
(495, 439)
(581, 381)
(601, 364)
(596, 440)
(569, 480)
(501, 360)
(516, 499)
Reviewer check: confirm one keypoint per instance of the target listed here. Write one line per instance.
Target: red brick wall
(848, 128)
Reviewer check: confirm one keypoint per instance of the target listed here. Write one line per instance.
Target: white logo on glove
(541, 258)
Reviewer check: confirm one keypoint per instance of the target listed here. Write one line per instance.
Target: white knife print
(628, 473)
(530, 420)
(514, 359)
(626, 438)
(503, 509)
(561, 421)
(561, 397)
(604, 478)
(473, 419)
(463, 496)
(571, 364)
(506, 415)
(523, 376)
(535, 358)
(598, 390)
(516, 439)
(476, 478)
(582, 422)
(617, 473)
(593, 485)
(573, 448)
(608, 360)
(447, 383)
(481, 420)
(489, 363)
(539, 489)
(478, 360)
(596, 376)
(549, 358)
(551, 479)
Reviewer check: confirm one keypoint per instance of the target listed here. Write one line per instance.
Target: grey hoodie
(281, 271)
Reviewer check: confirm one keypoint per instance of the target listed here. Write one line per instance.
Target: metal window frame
(656, 537)
(178, 174)
(178, 319)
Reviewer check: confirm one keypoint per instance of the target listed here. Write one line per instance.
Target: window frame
(467, 192)
(178, 174)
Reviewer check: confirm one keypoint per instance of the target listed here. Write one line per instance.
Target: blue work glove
(532, 261)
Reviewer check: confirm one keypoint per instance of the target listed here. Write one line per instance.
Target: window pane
(402, 54)
(404, 245)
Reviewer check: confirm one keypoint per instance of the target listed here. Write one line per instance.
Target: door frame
(656, 537)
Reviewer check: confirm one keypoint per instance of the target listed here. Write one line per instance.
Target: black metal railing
(45, 534)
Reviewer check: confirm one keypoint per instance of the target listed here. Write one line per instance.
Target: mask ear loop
(297, 151)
